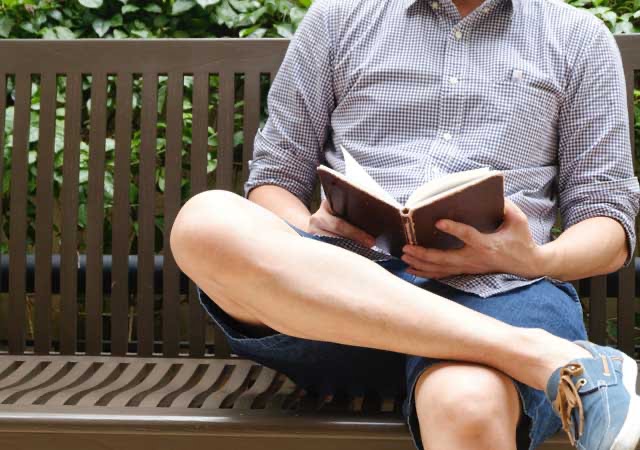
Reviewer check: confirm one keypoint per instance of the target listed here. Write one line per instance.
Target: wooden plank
(44, 213)
(170, 272)
(224, 169)
(211, 375)
(103, 371)
(626, 309)
(137, 56)
(251, 117)
(95, 214)
(69, 222)
(598, 310)
(3, 105)
(146, 210)
(198, 174)
(18, 214)
(120, 226)
(235, 382)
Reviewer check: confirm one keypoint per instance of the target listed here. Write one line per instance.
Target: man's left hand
(510, 249)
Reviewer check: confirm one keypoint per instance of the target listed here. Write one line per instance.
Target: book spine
(409, 231)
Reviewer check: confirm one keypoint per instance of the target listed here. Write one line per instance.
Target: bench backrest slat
(198, 174)
(170, 275)
(251, 117)
(18, 219)
(598, 310)
(69, 210)
(44, 213)
(121, 223)
(146, 207)
(95, 213)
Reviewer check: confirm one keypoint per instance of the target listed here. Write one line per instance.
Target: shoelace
(567, 400)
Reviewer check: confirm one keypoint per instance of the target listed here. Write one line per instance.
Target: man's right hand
(324, 221)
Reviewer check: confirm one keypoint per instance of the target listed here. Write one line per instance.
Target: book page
(355, 173)
(442, 184)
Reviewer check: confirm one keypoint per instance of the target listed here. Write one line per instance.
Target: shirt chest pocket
(527, 100)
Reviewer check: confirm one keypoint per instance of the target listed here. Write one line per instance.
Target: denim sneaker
(596, 399)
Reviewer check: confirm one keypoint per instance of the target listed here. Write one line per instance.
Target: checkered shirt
(533, 88)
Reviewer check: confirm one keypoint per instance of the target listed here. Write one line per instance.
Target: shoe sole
(629, 434)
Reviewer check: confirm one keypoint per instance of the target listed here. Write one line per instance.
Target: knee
(204, 226)
(474, 402)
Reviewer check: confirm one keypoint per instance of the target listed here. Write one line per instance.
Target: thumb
(513, 213)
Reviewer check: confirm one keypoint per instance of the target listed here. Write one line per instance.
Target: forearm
(592, 247)
(283, 203)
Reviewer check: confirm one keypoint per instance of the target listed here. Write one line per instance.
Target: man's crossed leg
(242, 255)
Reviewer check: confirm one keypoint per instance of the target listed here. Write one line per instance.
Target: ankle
(551, 352)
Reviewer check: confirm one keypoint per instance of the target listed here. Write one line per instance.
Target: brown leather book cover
(479, 204)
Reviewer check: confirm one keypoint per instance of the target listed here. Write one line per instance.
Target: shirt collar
(409, 3)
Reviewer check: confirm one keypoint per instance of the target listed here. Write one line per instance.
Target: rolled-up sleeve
(290, 146)
(596, 176)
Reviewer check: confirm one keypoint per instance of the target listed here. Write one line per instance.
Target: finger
(433, 255)
(465, 233)
(426, 266)
(343, 228)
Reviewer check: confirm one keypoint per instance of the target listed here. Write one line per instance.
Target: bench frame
(170, 388)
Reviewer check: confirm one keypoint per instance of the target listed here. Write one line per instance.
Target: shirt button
(446, 136)
(453, 80)
(435, 5)
(458, 34)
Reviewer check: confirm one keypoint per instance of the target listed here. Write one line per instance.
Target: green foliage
(118, 19)
(621, 16)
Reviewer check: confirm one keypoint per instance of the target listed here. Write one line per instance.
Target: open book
(474, 197)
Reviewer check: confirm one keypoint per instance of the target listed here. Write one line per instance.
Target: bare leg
(466, 407)
(260, 271)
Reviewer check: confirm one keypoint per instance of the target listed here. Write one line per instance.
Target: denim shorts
(325, 368)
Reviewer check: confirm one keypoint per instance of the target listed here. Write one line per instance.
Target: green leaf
(101, 27)
(116, 21)
(91, 3)
(610, 16)
(55, 15)
(64, 33)
(6, 24)
(284, 29)
(205, 3)
(624, 27)
(48, 33)
(153, 8)
(129, 9)
(181, 6)
(119, 34)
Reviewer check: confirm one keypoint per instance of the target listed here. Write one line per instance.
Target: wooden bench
(111, 350)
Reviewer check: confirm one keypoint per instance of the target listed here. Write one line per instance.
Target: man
(483, 336)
